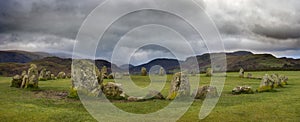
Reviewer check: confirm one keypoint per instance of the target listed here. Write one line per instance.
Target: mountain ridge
(235, 60)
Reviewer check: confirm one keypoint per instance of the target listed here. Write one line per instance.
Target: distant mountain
(168, 64)
(14, 62)
(17, 56)
(126, 66)
(53, 64)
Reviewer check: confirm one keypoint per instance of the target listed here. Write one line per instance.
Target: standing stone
(104, 72)
(209, 72)
(276, 80)
(23, 74)
(85, 77)
(180, 86)
(16, 81)
(48, 75)
(33, 77)
(42, 76)
(284, 80)
(52, 76)
(144, 71)
(162, 71)
(241, 73)
(61, 75)
(25, 81)
(267, 84)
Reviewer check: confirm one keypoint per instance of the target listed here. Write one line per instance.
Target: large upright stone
(48, 75)
(241, 73)
(267, 84)
(32, 76)
(85, 77)
(42, 76)
(104, 72)
(180, 86)
(25, 81)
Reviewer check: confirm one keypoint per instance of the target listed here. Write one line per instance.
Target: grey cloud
(256, 25)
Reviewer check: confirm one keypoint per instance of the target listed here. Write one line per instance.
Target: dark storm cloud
(257, 25)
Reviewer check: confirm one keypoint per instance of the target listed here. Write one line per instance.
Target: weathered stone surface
(16, 81)
(84, 77)
(276, 80)
(180, 86)
(162, 71)
(110, 76)
(48, 75)
(33, 77)
(267, 84)
(52, 76)
(205, 91)
(113, 91)
(242, 90)
(241, 73)
(284, 80)
(144, 71)
(135, 99)
(25, 81)
(209, 72)
(154, 95)
(42, 76)
(61, 75)
(104, 72)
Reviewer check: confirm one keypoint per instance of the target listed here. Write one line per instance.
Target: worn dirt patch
(50, 94)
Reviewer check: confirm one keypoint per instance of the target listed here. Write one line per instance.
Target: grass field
(49, 104)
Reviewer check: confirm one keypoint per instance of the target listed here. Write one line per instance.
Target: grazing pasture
(49, 102)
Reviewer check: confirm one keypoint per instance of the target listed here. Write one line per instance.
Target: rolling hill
(14, 62)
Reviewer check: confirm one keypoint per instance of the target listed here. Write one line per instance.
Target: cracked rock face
(180, 86)
(242, 90)
(206, 91)
(113, 91)
(85, 77)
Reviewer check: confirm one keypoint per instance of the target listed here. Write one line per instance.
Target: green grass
(282, 105)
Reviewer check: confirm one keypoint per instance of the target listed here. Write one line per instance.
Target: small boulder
(206, 91)
(154, 95)
(113, 91)
(135, 99)
(242, 90)
(61, 75)
(16, 81)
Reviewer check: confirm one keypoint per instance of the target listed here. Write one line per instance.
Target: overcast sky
(260, 26)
